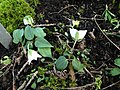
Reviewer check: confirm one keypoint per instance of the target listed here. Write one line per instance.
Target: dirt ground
(103, 52)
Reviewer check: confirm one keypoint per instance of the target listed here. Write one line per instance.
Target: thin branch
(34, 74)
(45, 25)
(105, 34)
(79, 88)
(22, 68)
(111, 85)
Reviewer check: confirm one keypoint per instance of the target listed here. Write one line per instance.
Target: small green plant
(110, 17)
(32, 37)
(12, 13)
(62, 62)
(6, 60)
(116, 71)
(98, 82)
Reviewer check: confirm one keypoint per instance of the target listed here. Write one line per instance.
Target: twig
(45, 25)
(6, 70)
(22, 68)
(105, 34)
(34, 74)
(13, 74)
(111, 85)
(79, 88)
(66, 8)
(89, 72)
(84, 18)
(22, 86)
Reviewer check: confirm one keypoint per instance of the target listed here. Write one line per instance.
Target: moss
(12, 13)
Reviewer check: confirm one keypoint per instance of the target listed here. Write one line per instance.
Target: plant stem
(73, 46)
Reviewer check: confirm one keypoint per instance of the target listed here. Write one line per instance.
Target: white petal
(82, 33)
(73, 32)
(25, 21)
(32, 55)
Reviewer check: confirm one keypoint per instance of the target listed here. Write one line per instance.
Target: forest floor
(101, 48)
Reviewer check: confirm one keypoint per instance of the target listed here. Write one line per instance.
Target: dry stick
(6, 70)
(79, 88)
(22, 68)
(66, 8)
(105, 34)
(34, 74)
(111, 85)
(45, 25)
(22, 86)
(88, 72)
(13, 74)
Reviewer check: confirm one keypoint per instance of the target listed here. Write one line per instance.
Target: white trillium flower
(77, 35)
(32, 55)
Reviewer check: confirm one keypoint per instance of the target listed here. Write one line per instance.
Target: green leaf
(117, 62)
(6, 60)
(33, 85)
(29, 34)
(39, 32)
(39, 80)
(77, 65)
(115, 71)
(45, 51)
(17, 35)
(28, 20)
(41, 42)
(61, 63)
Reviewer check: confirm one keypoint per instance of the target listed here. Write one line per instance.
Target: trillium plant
(62, 62)
(31, 38)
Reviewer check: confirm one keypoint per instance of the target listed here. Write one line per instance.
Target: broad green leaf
(61, 63)
(117, 62)
(115, 71)
(33, 85)
(29, 34)
(41, 42)
(17, 35)
(77, 65)
(39, 32)
(45, 51)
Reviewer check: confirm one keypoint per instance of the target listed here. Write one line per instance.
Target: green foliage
(110, 17)
(33, 3)
(61, 63)
(117, 62)
(17, 35)
(77, 65)
(12, 13)
(6, 60)
(45, 51)
(33, 85)
(107, 14)
(116, 71)
(30, 35)
(98, 82)
(54, 83)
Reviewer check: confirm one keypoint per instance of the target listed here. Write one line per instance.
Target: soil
(102, 53)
